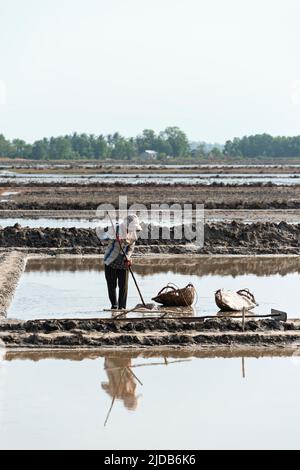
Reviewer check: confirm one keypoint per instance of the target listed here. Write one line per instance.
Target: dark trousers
(116, 277)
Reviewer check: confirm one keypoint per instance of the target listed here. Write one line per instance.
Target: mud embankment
(160, 169)
(219, 238)
(89, 197)
(95, 333)
(11, 268)
(208, 162)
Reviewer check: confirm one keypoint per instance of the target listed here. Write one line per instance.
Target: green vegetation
(263, 145)
(172, 142)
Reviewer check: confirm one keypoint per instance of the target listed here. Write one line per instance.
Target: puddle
(50, 223)
(10, 193)
(47, 222)
(162, 401)
(60, 288)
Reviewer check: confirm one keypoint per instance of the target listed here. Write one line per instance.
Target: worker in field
(117, 258)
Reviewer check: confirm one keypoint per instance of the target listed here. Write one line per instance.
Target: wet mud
(219, 238)
(268, 166)
(96, 333)
(66, 197)
(11, 268)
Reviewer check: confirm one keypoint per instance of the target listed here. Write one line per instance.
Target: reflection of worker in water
(121, 383)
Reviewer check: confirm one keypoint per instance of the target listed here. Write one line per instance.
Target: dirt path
(11, 268)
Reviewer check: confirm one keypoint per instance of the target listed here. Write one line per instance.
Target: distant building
(148, 155)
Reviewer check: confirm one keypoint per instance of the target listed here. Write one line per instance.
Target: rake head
(150, 306)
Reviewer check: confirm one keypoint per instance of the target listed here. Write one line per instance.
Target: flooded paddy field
(88, 219)
(142, 178)
(175, 399)
(76, 288)
(55, 222)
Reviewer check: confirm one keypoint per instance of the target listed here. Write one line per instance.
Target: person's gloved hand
(128, 263)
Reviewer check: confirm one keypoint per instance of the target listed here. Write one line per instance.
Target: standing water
(166, 400)
(60, 288)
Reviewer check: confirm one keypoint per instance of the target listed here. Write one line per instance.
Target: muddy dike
(219, 238)
(132, 168)
(12, 266)
(205, 162)
(96, 333)
(72, 196)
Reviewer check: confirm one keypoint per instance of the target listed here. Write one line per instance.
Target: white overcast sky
(215, 68)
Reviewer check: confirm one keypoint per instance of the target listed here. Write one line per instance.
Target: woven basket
(171, 296)
(245, 295)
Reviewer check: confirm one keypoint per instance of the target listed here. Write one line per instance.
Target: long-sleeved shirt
(114, 255)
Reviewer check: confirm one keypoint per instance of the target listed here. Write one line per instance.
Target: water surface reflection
(200, 266)
(64, 287)
(175, 399)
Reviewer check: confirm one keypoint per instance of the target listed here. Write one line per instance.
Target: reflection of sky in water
(51, 223)
(82, 293)
(200, 403)
(288, 179)
(85, 223)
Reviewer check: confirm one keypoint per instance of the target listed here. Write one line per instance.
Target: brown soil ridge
(89, 197)
(95, 333)
(219, 238)
(132, 169)
(11, 268)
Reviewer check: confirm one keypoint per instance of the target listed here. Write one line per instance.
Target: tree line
(172, 142)
(263, 145)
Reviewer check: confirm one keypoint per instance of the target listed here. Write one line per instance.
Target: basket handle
(168, 286)
(247, 293)
(174, 287)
